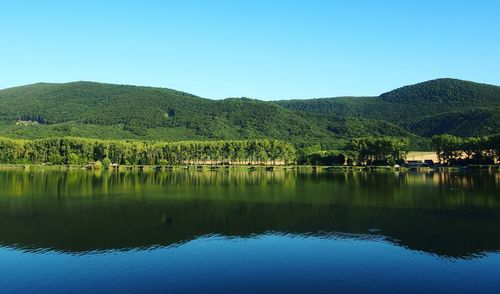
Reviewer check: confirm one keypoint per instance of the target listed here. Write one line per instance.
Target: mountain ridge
(102, 110)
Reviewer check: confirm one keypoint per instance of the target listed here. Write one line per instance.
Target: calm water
(248, 232)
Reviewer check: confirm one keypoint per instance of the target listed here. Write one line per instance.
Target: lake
(249, 232)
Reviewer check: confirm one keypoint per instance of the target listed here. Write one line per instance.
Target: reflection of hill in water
(455, 215)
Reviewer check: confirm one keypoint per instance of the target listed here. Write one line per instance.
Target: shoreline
(268, 168)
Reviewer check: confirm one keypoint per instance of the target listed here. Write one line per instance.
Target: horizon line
(236, 97)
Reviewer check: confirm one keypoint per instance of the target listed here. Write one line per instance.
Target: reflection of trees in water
(424, 190)
(467, 181)
(79, 210)
(88, 182)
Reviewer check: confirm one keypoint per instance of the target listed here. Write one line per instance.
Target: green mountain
(116, 111)
(439, 106)
(87, 109)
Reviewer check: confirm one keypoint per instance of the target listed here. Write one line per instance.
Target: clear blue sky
(262, 48)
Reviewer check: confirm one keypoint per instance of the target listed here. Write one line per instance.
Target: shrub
(106, 162)
(98, 165)
(73, 159)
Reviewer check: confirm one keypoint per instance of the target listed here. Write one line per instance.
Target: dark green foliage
(330, 158)
(104, 111)
(78, 151)
(454, 150)
(434, 107)
(443, 91)
(379, 151)
(106, 162)
(363, 151)
(471, 122)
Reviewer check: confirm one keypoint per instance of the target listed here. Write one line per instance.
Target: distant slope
(95, 103)
(434, 107)
(117, 111)
(88, 109)
(468, 122)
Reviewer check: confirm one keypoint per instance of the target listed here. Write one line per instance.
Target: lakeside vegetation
(366, 151)
(385, 151)
(453, 150)
(78, 151)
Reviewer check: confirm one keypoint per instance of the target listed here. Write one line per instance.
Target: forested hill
(85, 109)
(434, 107)
(95, 110)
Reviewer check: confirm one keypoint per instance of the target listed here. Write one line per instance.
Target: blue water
(251, 233)
(269, 263)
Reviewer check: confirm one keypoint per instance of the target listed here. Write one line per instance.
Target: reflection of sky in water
(266, 263)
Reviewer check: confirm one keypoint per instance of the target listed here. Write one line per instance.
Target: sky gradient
(259, 49)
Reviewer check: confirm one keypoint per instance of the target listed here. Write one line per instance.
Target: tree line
(453, 150)
(80, 151)
(360, 151)
(450, 150)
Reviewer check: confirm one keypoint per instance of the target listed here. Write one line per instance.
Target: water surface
(249, 231)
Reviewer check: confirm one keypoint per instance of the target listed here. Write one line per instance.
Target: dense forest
(454, 150)
(78, 151)
(361, 151)
(105, 111)
(121, 112)
(378, 151)
(435, 107)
